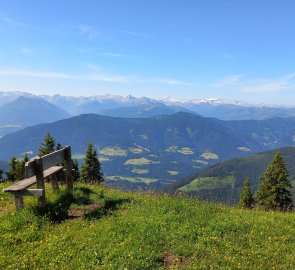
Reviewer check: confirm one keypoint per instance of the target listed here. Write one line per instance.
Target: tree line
(274, 190)
(89, 172)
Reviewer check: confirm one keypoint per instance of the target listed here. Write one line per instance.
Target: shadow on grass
(109, 207)
(58, 210)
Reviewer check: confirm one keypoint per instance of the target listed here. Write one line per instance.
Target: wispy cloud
(228, 81)
(94, 73)
(25, 51)
(10, 21)
(171, 81)
(136, 34)
(228, 55)
(270, 85)
(256, 85)
(35, 74)
(89, 31)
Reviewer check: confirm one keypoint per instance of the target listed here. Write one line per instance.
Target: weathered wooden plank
(21, 185)
(53, 158)
(40, 179)
(32, 192)
(68, 157)
(18, 200)
(51, 171)
(29, 168)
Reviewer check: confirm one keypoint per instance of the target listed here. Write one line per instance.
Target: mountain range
(130, 106)
(151, 152)
(27, 111)
(223, 182)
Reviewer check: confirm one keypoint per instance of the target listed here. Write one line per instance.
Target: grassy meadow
(95, 227)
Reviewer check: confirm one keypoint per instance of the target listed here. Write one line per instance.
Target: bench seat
(24, 184)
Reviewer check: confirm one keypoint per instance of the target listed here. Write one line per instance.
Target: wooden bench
(36, 171)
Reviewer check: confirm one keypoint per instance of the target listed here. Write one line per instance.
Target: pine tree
(76, 172)
(48, 146)
(1, 174)
(91, 169)
(20, 167)
(246, 196)
(11, 173)
(274, 190)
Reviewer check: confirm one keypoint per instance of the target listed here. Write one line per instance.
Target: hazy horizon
(232, 50)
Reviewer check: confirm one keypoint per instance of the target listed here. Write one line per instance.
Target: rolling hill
(23, 112)
(152, 152)
(223, 182)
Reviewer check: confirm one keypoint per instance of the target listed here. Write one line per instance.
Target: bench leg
(19, 201)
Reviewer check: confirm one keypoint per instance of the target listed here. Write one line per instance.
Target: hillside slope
(140, 231)
(223, 182)
(151, 152)
(162, 148)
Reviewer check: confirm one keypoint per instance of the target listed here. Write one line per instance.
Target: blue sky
(230, 49)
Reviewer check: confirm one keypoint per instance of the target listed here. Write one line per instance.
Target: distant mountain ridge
(158, 150)
(110, 104)
(27, 111)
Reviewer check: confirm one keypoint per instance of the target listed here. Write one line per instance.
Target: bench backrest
(47, 161)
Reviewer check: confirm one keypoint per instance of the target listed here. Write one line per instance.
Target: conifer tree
(11, 173)
(91, 169)
(1, 174)
(246, 196)
(20, 167)
(48, 146)
(274, 190)
(76, 172)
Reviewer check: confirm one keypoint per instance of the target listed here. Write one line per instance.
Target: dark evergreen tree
(91, 169)
(1, 174)
(20, 167)
(274, 190)
(76, 172)
(246, 196)
(48, 146)
(12, 171)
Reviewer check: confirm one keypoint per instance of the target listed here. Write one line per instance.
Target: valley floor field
(96, 227)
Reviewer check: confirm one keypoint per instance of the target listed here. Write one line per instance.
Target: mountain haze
(24, 111)
(130, 106)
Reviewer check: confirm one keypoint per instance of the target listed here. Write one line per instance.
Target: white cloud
(270, 85)
(25, 51)
(170, 81)
(227, 81)
(87, 30)
(94, 73)
(35, 74)
(8, 20)
(136, 34)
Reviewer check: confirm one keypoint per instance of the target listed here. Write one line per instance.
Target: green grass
(209, 155)
(208, 183)
(142, 231)
(132, 179)
(138, 161)
(114, 152)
